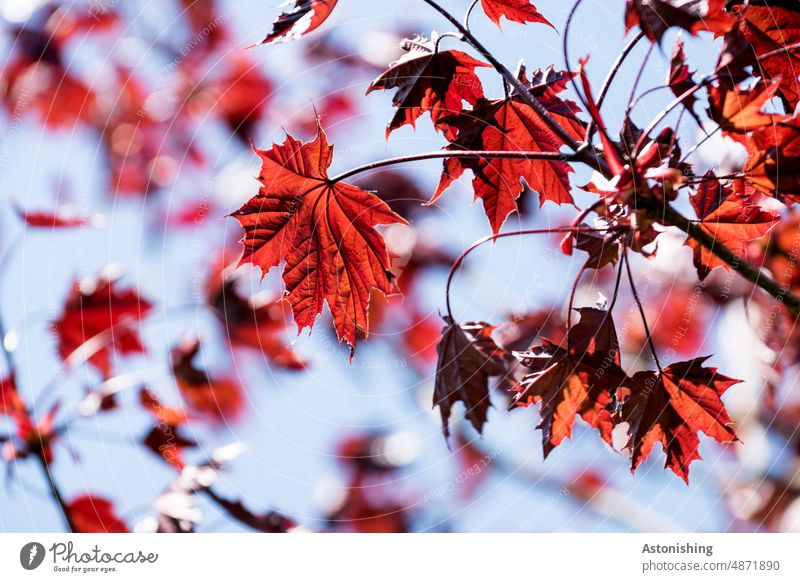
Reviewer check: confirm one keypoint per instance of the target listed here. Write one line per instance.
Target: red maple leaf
(304, 17)
(512, 125)
(94, 514)
(521, 11)
(427, 80)
(219, 397)
(468, 356)
(654, 17)
(95, 306)
(773, 164)
(769, 29)
(741, 109)
(680, 76)
(671, 407)
(323, 230)
(732, 218)
(580, 378)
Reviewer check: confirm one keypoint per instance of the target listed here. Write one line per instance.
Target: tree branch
(522, 92)
(738, 264)
(463, 154)
(55, 493)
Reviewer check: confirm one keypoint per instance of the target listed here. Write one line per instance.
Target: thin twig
(55, 493)
(638, 301)
(486, 239)
(737, 263)
(462, 154)
(522, 91)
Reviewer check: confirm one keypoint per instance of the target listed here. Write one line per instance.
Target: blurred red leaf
(254, 322)
(95, 306)
(10, 401)
(94, 514)
(219, 397)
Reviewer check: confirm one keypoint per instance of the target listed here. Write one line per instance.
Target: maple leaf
(773, 163)
(512, 125)
(768, 29)
(427, 80)
(603, 249)
(94, 306)
(680, 76)
(468, 356)
(323, 230)
(256, 322)
(740, 109)
(304, 17)
(671, 407)
(654, 17)
(94, 514)
(732, 218)
(580, 379)
(522, 11)
(220, 398)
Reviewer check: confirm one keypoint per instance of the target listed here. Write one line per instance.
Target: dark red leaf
(768, 29)
(740, 110)
(773, 164)
(654, 17)
(252, 322)
(680, 76)
(304, 17)
(219, 397)
(428, 81)
(670, 408)
(468, 356)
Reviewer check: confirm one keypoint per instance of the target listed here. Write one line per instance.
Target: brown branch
(462, 154)
(268, 522)
(55, 492)
(738, 264)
